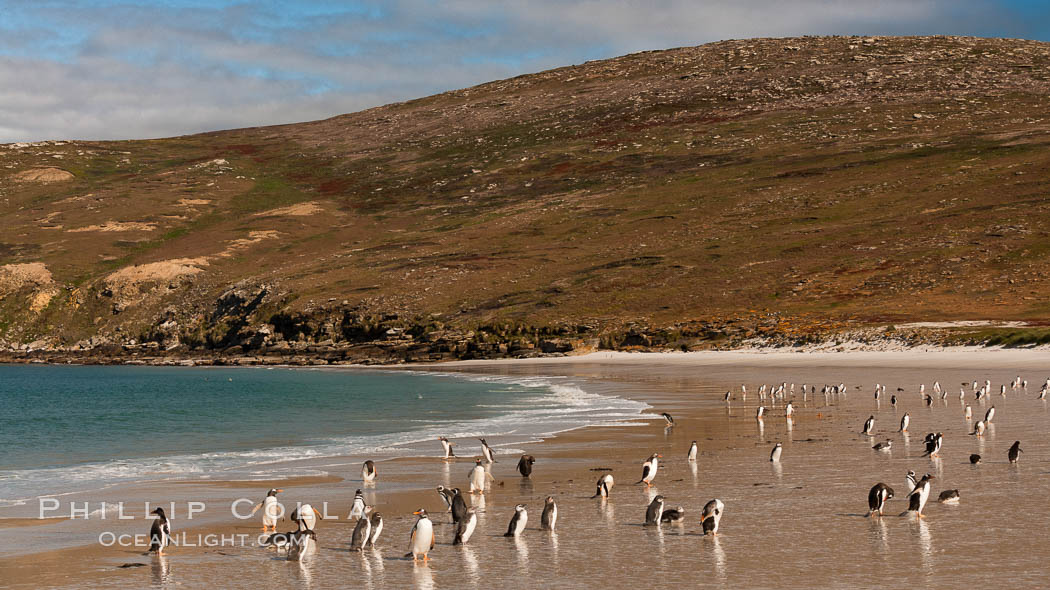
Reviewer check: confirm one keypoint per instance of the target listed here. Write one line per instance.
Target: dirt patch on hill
(117, 226)
(43, 175)
(132, 284)
(297, 210)
(14, 277)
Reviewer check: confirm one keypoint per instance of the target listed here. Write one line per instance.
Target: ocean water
(68, 429)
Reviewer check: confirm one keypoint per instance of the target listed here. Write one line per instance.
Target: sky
(125, 69)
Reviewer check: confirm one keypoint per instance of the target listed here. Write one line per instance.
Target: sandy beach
(799, 523)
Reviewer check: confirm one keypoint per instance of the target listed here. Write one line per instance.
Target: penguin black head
(159, 512)
(477, 461)
(519, 508)
(421, 513)
(975, 458)
(273, 492)
(455, 491)
(549, 500)
(358, 492)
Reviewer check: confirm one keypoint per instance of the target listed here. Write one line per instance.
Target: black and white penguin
(691, 455)
(869, 425)
(1014, 452)
(893, 400)
(446, 495)
(760, 412)
(918, 497)
(279, 541)
(879, 494)
(975, 459)
(159, 531)
(421, 542)
(465, 527)
(989, 415)
(271, 509)
(905, 420)
(301, 543)
(929, 401)
(306, 517)
(949, 497)
(883, 447)
(478, 478)
(978, 428)
(789, 409)
(368, 471)
(676, 514)
(912, 482)
(447, 445)
(358, 508)
(774, 455)
(362, 532)
(654, 511)
(517, 522)
(605, 485)
(711, 516)
(549, 517)
(486, 451)
(649, 468)
(669, 419)
(933, 444)
(525, 465)
(377, 528)
(459, 506)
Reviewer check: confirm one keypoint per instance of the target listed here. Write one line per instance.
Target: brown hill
(782, 188)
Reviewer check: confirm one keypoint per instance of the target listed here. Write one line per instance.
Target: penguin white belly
(692, 453)
(378, 528)
(653, 468)
(270, 511)
(306, 514)
(477, 479)
(519, 526)
(422, 536)
(468, 528)
(552, 518)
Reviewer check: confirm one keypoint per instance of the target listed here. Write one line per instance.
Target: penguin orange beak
(279, 490)
(417, 512)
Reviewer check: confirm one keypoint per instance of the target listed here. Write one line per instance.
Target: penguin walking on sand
(879, 494)
(477, 478)
(465, 527)
(869, 425)
(918, 497)
(525, 465)
(649, 469)
(517, 522)
(446, 445)
(377, 528)
(446, 496)
(905, 420)
(676, 515)
(1014, 452)
(691, 455)
(459, 507)
(362, 532)
(711, 516)
(654, 511)
(774, 456)
(358, 508)
(159, 532)
(421, 541)
(605, 485)
(271, 509)
(669, 419)
(486, 451)
(549, 517)
(368, 472)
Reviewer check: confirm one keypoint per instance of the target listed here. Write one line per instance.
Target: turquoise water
(73, 428)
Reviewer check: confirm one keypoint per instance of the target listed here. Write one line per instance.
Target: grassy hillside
(789, 188)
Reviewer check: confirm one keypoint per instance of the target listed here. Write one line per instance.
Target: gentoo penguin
(605, 485)
(654, 511)
(989, 415)
(465, 527)
(459, 506)
(933, 444)
(949, 497)
(893, 400)
(358, 508)
(368, 471)
(278, 541)
(711, 516)
(649, 469)
(691, 455)
(271, 509)
(936, 386)
(728, 396)
(300, 543)
(422, 540)
(517, 522)
(758, 413)
(525, 465)
(1014, 451)
(159, 531)
(905, 420)
(917, 498)
(486, 451)
(975, 459)
(789, 410)
(878, 392)
(968, 413)
(929, 401)
(676, 514)
(447, 446)
(377, 528)
(883, 447)
(669, 419)
(306, 516)
(446, 495)
(869, 425)
(774, 456)
(978, 428)
(549, 516)
(362, 532)
(877, 498)
(477, 478)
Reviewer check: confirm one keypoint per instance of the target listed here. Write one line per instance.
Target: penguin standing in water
(377, 528)
(905, 420)
(549, 517)
(159, 532)
(669, 419)
(446, 495)
(517, 522)
(649, 469)
(933, 444)
(358, 508)
(477, 478)
(465, 527)
(368, 471)
(912, 482)
(1014, 452)
(421, 542)
(486, 451)
(654, 511)
(989, 415)
(459, 506)
(306, 516)
(525, 465)
(774, 457)
(676, 514)
(711, 516)
(869, 425)
(691, 455)
(271, 509)
(362, 532)
(918, 497)
(789, 409)
(447, 446)
(893, 400)
(978, 428)
(758, 413)
(300, 543)
(605, 485)
(877, 498)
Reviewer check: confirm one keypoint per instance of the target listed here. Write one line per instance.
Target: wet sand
(800, 523)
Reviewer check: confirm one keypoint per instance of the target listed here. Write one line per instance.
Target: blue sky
(113, 69)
